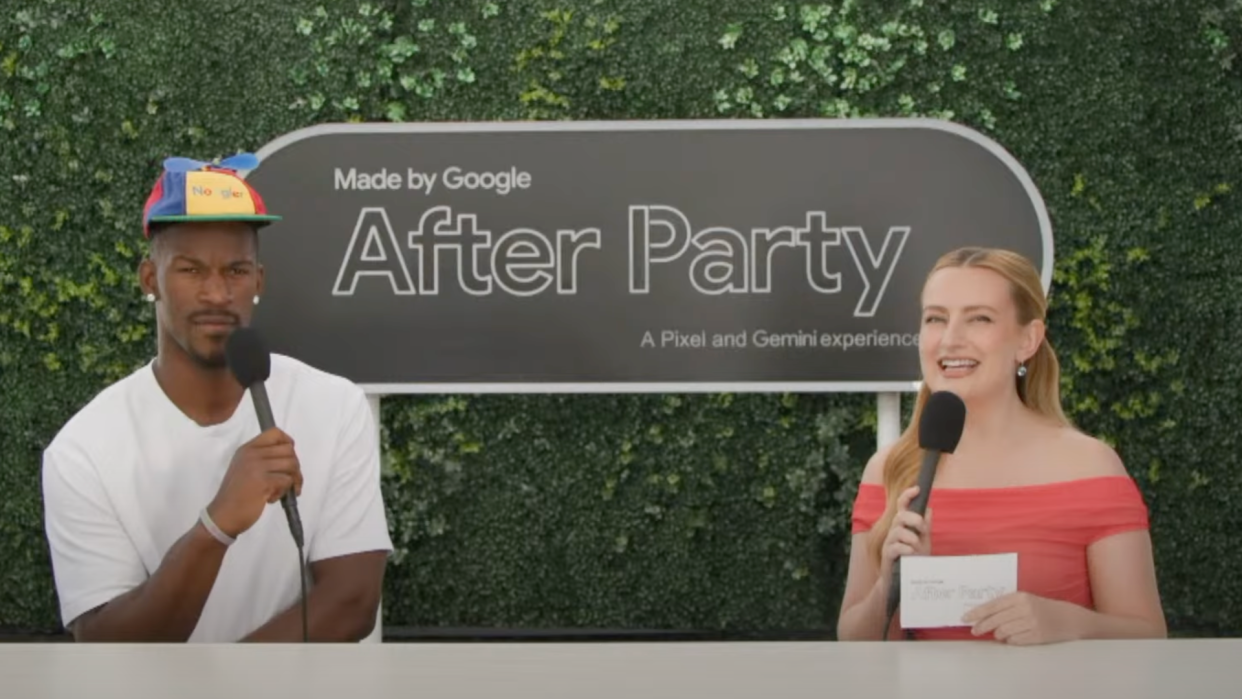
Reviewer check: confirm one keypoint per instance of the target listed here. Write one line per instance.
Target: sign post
(636, 256)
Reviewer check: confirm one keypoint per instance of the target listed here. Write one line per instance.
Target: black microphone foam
(940, 426)
(248, 357)
(940, 429)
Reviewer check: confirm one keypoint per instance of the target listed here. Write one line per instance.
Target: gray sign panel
(732, 255)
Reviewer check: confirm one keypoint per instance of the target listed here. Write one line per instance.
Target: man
(161, 495)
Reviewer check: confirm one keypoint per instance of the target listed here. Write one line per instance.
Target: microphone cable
(302, 575)
(893, 602)
(295, 527)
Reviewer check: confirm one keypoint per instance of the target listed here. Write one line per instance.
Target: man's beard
(215, 361)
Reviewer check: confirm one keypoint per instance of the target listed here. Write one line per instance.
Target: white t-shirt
(127, 476)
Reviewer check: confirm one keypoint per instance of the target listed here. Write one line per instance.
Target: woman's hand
(909, 534)
(1023, 619)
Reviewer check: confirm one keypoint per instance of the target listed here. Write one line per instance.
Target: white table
(1179, 669)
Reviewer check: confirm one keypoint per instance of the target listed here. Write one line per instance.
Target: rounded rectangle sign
(731, 255)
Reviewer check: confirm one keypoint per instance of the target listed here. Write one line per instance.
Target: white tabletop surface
(1175, 669)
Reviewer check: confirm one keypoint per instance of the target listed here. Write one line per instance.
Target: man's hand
(261, 472)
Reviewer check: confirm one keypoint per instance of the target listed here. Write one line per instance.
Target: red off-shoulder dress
(1048, 525)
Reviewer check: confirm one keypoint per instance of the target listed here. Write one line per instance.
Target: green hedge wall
(701, 511)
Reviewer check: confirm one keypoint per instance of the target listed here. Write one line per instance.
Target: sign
(938, 591)
(645, 256)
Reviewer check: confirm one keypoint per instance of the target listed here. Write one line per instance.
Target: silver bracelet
(215, 531)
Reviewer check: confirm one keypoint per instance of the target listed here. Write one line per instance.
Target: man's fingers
(287, 471)
(287, 466)
(278, 485)
(270, 436)
(274, 450)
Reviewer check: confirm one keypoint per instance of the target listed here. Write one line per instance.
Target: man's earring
(256, 299)
(150, 298)
(1022, 369)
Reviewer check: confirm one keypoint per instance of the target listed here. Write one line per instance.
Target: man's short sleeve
(93, 559)
(353, 518)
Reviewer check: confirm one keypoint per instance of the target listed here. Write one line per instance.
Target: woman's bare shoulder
(1083, 455)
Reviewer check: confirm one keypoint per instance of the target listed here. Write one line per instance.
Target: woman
(1022, 479)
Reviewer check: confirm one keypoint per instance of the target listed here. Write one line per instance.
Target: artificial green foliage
(680, 511)
(656, 512)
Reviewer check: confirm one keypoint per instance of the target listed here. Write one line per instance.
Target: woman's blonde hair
(1039, 390)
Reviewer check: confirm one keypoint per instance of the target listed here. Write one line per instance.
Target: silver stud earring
(256, 300)
(150, 298)
(1021, 370)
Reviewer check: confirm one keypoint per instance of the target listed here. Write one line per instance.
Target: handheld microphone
(940, 429)
(251, 363)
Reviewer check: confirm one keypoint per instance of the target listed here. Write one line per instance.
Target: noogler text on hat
(194, 190)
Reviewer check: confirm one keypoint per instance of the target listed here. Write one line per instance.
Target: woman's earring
(150, 298)
(1022, 370)
(256, 299)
